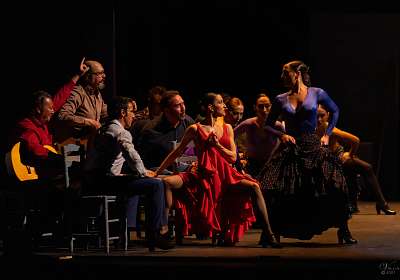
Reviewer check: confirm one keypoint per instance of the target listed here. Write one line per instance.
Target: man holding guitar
(32, 135)
(33, 131)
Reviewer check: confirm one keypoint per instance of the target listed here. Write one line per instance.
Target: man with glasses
(82, 113)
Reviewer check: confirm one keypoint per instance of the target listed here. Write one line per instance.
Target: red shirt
(34, 133)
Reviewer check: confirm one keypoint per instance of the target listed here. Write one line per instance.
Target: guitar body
(16, 168)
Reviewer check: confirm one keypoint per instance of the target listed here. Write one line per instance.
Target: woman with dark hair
(217, 199)
(352, 165)
(260, 143)
(304, 179)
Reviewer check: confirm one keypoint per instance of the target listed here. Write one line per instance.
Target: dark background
(233, 46)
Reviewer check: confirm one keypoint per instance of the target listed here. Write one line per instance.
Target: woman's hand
(213, 139)
(285, 138)
(345, 157)
(325, 140)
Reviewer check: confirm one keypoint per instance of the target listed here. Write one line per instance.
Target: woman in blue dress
(303, 180)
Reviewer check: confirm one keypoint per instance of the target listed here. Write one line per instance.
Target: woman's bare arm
(228, 153)
(189, 135)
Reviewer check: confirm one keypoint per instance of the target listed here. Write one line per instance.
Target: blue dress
(304, 183)
(303, 119)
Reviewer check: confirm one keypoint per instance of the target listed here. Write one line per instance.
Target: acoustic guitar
(16, 168)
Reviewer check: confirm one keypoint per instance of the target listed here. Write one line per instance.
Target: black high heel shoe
(344, 236)
(385, 209)
(269, 241)
(218, 239)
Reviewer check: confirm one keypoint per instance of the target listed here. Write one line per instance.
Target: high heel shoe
(385, 209)
(344, 236)
(269, 240)
(220, 242)
(218, 239)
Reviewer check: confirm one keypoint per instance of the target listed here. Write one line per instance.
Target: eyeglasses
(98, 73)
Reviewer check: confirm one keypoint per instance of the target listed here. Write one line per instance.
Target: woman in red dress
(216, 199)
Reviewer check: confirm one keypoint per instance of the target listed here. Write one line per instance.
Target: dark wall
(355, 57)
(233, 46)
(42, 46)
(230, 46)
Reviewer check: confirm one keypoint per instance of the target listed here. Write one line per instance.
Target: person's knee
(255, 187)
(170, 183)
(368, 168)
(155, 184)
(167, 182)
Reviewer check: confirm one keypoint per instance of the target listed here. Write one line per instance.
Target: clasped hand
(213, 139)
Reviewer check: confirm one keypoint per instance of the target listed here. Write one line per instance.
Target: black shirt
(158, 138)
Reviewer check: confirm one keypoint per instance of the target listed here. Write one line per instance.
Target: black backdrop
(233, 46)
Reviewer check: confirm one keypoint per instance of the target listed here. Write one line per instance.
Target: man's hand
(83, 68)
(93, 123)
(151, 174)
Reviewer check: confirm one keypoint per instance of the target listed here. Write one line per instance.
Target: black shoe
(218, 239)
(224, 243)
(385, 209)
(344, 236)
(354, 208)
(269, 241)
(162, 241)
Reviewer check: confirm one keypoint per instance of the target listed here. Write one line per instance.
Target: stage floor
(376, 256)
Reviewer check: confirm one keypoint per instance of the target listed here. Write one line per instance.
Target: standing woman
(304, 178)
(218, 196)
(260, 142)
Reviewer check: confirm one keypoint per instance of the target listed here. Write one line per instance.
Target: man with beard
(158, 137)
(161, 135)
(81, 114)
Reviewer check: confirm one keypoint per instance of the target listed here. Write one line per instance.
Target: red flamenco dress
(209, 203)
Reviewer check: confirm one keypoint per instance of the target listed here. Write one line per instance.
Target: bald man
(81, 114)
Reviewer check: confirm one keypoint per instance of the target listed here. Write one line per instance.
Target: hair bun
(303, 68)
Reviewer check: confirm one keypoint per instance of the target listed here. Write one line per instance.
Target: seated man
(162, 134)
(113, 165)
(33, 134)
